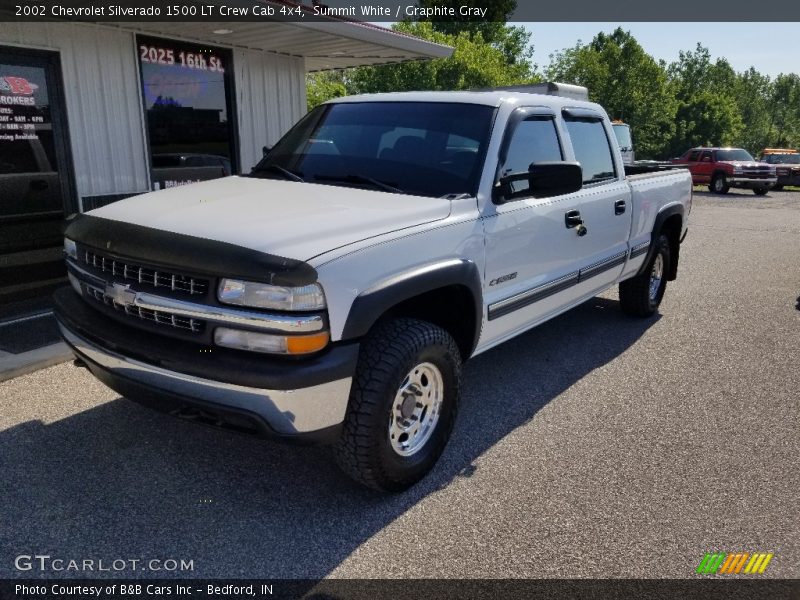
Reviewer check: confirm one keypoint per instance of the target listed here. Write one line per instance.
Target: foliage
(627, 82)
(670, 107)
(475, 63)
(324, 85)
(708, 113)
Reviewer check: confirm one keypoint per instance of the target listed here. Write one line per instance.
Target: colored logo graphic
(734, 563)
(17, 85)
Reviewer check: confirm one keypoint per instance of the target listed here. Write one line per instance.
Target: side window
(533, 140)
(592, 149)
(694, 156)
(706, 155)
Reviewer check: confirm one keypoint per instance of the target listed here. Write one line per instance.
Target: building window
(188, 100)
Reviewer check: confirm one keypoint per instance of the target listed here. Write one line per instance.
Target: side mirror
(545, 180)
(265, 150)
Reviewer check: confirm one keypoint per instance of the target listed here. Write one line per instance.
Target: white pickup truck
(334, 293)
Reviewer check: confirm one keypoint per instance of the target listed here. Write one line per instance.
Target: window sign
(28, 175)
(187, 99)
(35, 179)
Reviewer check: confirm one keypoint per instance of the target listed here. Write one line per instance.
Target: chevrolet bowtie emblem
(119, 293)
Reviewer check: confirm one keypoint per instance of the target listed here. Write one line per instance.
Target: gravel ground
(593, 446)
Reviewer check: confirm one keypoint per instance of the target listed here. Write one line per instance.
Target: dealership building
(91, 113)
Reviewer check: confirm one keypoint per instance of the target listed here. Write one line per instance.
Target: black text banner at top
(388, 11)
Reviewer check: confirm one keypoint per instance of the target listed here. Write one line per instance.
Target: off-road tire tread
(384, 353)
(634, 293)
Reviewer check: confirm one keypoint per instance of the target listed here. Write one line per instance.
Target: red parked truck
(724, 168)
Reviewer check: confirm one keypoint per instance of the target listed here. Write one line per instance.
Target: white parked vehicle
(335, 292)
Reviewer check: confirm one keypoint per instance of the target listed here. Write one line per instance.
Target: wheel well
(452, 308)
(672, 229)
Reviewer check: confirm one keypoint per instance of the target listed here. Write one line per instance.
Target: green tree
(627, 82)
(752, 93)
(785, 111)
(708, 110)
(487, 53)
(513, 42)
(324, 85)
(473, 64)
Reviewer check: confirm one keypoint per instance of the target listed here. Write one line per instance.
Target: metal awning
(334, 44)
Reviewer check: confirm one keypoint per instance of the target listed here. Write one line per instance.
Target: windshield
(421, 148)
(623, 133)
(735, 154)
(782, 159)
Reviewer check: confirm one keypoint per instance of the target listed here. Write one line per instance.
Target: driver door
(527, 244)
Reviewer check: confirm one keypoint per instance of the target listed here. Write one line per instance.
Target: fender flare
(661, 217)
(373, 302)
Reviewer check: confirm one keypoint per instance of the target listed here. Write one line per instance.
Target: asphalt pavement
(593, 446)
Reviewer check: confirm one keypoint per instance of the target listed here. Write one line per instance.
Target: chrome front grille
(159, 279)
(757, 172)
(155, 316)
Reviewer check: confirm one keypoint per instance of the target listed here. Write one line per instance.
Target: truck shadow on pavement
(120, 481)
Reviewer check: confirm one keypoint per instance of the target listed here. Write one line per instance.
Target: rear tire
(762, 191)
(403, 405)
(640, 296)
(719, 184)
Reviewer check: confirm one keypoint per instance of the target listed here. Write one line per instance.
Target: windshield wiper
(278, 169)
(356, 178)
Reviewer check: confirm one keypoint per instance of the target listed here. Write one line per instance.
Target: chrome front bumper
(741, 180)
(286, 412)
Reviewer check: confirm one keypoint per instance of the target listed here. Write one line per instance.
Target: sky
(772, 48)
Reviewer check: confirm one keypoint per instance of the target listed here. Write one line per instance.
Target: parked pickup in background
(334, 293)
(724, 168)
(787, 165)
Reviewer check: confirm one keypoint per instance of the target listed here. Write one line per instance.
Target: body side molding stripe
(640, 249)
(528, 297)
(602, 266)
(523, 299)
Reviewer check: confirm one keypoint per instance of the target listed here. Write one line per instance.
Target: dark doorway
(36, 182)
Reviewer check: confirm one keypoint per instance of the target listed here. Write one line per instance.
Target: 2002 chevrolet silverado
(334, 293)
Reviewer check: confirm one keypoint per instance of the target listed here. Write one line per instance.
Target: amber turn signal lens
(306, 344)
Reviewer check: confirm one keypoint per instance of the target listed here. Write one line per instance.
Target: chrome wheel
(655, 276)
(416, 408)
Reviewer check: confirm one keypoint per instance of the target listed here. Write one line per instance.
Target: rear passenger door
(705, 167)
(603, 202)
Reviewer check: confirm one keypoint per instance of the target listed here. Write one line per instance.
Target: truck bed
(646, 167)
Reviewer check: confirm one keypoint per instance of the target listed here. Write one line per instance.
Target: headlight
(271, 343)
(70, 249)
(262, 295)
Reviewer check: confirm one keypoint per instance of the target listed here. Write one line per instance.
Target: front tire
(402, 406)
(719, 184)
(641, 296)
